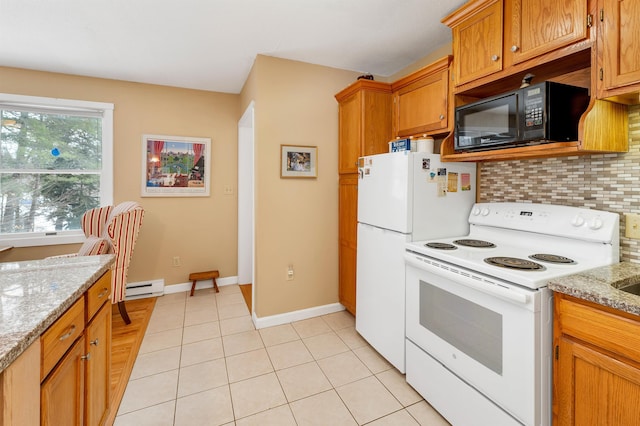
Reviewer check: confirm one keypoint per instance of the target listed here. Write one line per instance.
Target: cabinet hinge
(601, 74)
(557, 351)
(589, 20)
(601, 15)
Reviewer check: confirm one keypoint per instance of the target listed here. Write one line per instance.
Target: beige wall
(201, 231)
(296, 219)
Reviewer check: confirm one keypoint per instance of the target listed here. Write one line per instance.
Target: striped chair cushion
(94, 246)
(94, 221)
(124, 225)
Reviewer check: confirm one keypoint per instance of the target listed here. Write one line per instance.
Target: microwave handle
(487, 288)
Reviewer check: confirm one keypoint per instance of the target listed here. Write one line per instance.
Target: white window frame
(32, 239)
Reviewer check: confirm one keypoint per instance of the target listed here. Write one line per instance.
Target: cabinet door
(98, 379)
(348, 226)
(621, 44)
(592, 388)
(540, 26)
(350, 121)
(422, 107)
(477, 44)
(62, 392)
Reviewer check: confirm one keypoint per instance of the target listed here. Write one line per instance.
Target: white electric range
(479, 315)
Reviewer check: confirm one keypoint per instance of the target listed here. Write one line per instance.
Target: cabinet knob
(94, 342)
(86, 357)
(494, 58)
(514, 48)
(441, 117)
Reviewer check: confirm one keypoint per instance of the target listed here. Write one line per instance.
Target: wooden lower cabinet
(98, 376)
(348, 235)
(62, 392)
(75, 384)
(597, 365)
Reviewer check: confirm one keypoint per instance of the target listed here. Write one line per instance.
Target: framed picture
(298, 161)
(175, 166)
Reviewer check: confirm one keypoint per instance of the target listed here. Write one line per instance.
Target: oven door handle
(488, 288)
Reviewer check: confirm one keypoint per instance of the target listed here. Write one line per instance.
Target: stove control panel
(562, 221)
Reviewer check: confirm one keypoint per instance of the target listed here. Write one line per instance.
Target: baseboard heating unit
(144, 289)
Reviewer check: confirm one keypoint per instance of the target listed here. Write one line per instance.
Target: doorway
(246, 190)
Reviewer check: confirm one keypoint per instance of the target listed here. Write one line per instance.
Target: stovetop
(581, 238)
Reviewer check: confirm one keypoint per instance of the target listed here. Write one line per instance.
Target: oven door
(488, 333)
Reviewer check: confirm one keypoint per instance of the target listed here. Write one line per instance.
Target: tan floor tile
(236, 325)
(279, 416)
(156, 362)
(204, 376)
(368, 399)
(289, 354)
(242, 342)
(325, 345)
(167, 299)
(204, 350)
(399, 418)
(340, 320)
(148, 391)
(372, 359)
(321, 410)
(204, 331)
(228, 289)
(397, 384)
(212, 407)
(157, 415)
(311, 327)
(425, 414)
(352, 338)
(162, 321)
(233, 310)
(343, 368)
(302, 381)
(255, 395)
(278, 334)
(200, 316)
(229, 299)
(161, 340)
(201, 302)
(248, 364)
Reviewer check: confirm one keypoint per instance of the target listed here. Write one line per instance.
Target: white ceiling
(211, 44)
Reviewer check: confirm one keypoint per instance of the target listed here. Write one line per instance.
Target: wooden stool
(208, 275)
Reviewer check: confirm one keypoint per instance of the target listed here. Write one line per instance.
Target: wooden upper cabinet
(540, 26)
(364, 122)
(477, 39)
(620, 47)
(421, 101)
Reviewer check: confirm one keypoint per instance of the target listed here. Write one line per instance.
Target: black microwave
(539, 113)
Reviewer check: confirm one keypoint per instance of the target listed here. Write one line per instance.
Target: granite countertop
(600, 285)
(35, 293)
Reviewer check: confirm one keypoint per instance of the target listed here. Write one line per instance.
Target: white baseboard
(261, 322)
(177, 288)
(292, 316)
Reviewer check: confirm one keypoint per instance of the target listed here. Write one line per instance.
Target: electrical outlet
(290, 273)
(632, 226)
(228, 190)
(176, 261)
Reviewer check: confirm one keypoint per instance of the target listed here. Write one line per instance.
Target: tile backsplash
(608, 182)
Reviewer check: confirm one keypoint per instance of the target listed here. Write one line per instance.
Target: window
(55, 164)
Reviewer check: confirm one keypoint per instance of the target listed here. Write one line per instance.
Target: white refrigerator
(402, 197)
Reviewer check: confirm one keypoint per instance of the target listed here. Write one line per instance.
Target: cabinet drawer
(617, 334)
(98, 294)
(60, 336)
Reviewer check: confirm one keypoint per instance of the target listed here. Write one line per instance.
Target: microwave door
(487, 123)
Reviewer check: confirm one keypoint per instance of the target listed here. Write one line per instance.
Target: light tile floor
(202, 363)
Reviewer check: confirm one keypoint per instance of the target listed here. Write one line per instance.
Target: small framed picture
(175, 166)
(298, 161)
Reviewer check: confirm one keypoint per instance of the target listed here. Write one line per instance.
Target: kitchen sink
(633, 289)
